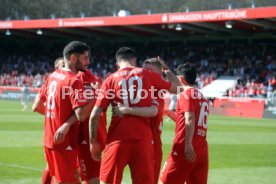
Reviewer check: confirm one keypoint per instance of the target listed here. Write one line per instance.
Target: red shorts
(177, 169)
(137, 154)
(62, 164)
(89, 168)
(157, 162)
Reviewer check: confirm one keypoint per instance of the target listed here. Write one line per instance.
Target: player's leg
(176, 169)
(24, 103)
(89, 168)
(63, 166)
(199, 175)
(114, 160)
(157, 163)
(46, 176)
(141, 162)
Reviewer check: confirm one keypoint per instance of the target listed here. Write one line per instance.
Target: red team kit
(130, 140)
(129, 136)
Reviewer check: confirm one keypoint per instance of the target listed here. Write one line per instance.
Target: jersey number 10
(129, 92)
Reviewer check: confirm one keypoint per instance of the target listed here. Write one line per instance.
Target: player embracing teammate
(133, 137)
(63, 104)
(129, 139)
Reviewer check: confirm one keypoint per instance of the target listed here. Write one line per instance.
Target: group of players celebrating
(78, 147)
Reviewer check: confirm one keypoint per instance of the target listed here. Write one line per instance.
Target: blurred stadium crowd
(253, 64)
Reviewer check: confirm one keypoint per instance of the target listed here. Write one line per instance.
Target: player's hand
(116, 111)
(164, 66)
(189, 152)
(119, 110)
(61, 133)
(96, 151)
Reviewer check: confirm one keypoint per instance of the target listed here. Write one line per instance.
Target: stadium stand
(219, 87)
(252, 65)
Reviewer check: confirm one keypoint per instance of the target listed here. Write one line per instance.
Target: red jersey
(87, 78)
(191, 100)
(62, 92)
(129, 87)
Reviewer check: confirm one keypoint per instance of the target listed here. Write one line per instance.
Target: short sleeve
(158, 81)
(77, 98)
(42, 92)
(104, 95)
(186, 102)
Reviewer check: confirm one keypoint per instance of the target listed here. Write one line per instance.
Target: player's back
(61, 99)
(191, 100)
(131, 87)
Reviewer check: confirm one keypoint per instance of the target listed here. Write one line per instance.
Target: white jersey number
(51, 95)
(203, 115)
(130, 92)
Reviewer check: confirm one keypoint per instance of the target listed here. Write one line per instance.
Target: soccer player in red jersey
(156, 66)
(63, 94)
(59, 63)
(89, 168)
(129, 138)
(188, 159)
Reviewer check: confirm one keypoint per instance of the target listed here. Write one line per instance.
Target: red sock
(46, 177)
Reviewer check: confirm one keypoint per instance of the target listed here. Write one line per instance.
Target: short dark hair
(125, 53)
(76, 47)
(153, 61)
(188, 71)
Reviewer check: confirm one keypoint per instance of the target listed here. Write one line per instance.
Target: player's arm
(94, 120)
(135, 111)
(38, 105)
(39, 102)
(171, 115)
(83, 112)
(82, 106)
(171, 76)
(64, 128)
(102, 103)
(190, 128)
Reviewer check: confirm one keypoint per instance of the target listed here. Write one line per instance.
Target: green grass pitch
(241, 151)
